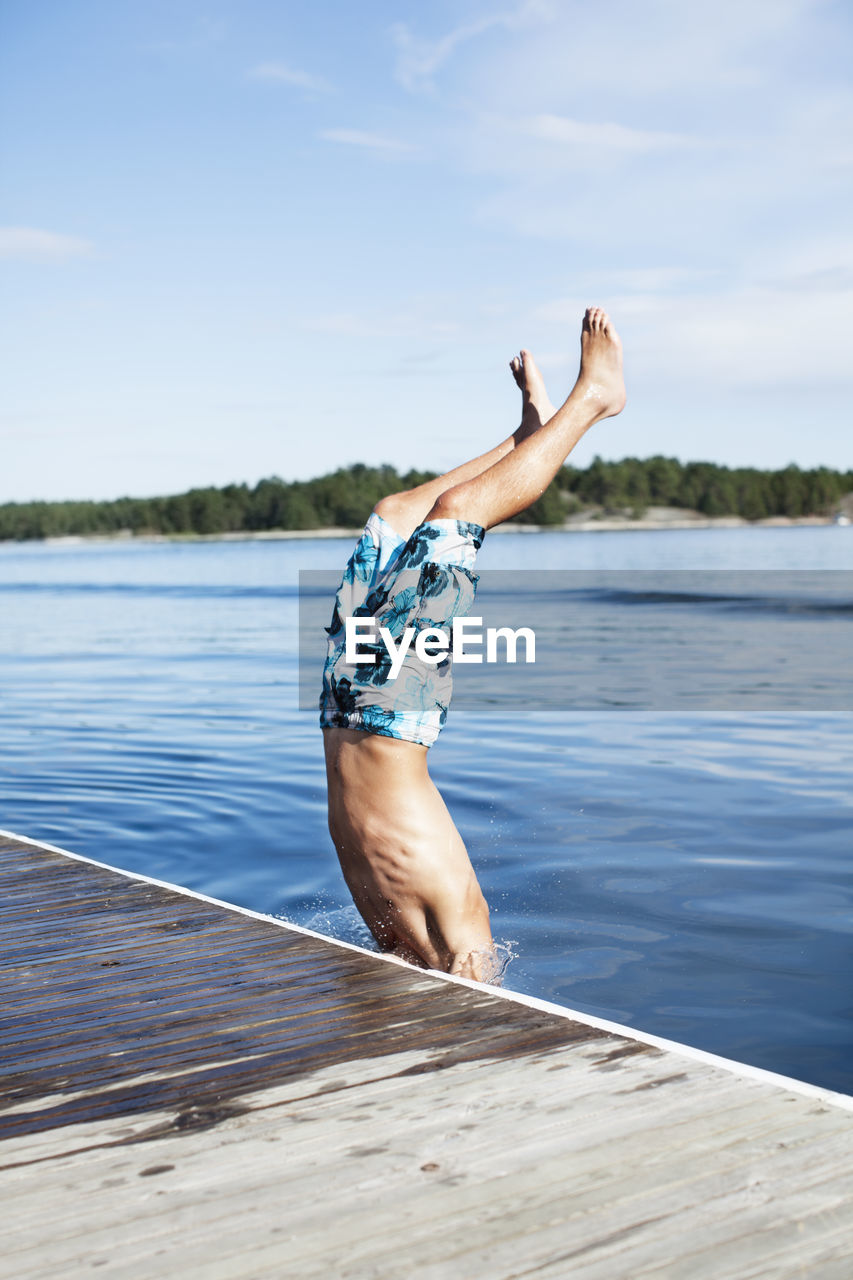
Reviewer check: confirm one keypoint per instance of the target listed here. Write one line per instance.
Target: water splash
(489, 964)
(344, 924)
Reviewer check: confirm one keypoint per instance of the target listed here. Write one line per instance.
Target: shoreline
(670, 518)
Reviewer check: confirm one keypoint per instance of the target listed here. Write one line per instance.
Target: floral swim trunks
(421, 583)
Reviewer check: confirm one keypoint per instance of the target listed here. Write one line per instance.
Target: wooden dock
(192, 1090)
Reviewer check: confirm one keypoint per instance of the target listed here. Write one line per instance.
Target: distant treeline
(345, 498)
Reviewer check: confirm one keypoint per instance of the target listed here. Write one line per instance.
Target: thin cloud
(606, 137)
(419, 59)
(358, 138)
(33, 245)
(281, 73)
(745, 335)
(730, 47)
(823, 265)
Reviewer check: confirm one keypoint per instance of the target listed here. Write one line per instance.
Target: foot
(537, 408)
(600, 384)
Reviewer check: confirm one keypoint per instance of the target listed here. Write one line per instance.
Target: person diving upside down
(402, 858)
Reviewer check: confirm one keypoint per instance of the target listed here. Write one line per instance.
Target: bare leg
(406, 510)
(518, 478)
(536, 406)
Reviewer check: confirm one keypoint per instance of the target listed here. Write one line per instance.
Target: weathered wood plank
(234, 1098)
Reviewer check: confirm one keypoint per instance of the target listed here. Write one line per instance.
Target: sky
(256, 238)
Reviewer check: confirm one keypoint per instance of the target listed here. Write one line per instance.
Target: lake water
(683, 870)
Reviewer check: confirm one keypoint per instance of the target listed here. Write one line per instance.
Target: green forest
(345, 497)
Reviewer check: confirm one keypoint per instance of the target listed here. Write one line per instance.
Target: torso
(402, 857)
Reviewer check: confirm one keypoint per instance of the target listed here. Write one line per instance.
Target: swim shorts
(422, 582)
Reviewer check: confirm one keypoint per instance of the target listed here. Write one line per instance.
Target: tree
(346, 496)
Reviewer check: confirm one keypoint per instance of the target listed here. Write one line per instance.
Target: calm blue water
(686, 873)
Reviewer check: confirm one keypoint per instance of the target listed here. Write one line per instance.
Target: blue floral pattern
(423, 582)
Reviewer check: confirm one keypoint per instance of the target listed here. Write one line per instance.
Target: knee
(450, 505)
(394, 510)
(386, 507)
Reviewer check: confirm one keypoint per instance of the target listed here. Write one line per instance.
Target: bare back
(401, 855)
